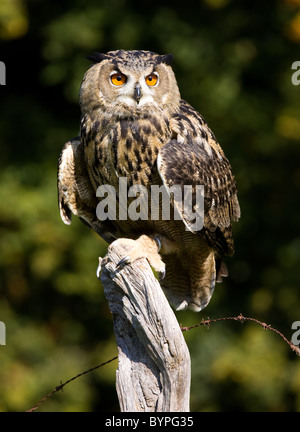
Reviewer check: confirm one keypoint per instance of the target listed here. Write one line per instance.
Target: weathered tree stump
(154, 362)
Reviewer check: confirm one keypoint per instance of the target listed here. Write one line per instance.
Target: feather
(167, 59)
(98, 57)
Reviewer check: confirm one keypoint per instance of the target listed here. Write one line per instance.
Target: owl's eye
(118, 79)
(151, 79)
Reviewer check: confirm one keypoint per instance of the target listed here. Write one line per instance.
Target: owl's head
(130, 83)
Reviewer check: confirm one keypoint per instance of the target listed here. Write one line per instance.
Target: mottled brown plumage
(134, 125)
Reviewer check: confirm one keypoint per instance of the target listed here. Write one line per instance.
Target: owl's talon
(125, 260)
(158, 242)
(161, 275)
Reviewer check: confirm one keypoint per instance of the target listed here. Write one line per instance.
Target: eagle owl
(135, 126)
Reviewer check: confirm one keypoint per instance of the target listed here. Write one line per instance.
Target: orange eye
(118, 79)
(151, 79)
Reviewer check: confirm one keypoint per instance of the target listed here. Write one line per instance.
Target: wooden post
(154, 370)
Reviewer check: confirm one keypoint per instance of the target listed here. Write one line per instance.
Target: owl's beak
(137, 93)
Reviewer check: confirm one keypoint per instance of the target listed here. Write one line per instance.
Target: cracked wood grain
(154, 362)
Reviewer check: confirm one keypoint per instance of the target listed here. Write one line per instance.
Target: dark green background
(233, 63)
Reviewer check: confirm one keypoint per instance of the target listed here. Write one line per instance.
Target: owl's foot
(144, 247)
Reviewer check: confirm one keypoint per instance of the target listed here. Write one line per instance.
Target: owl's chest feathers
(126, 148)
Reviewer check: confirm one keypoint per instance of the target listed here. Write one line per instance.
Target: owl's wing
(75, 192)
(195, 158)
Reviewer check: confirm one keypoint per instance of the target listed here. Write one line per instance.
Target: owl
(136, 128)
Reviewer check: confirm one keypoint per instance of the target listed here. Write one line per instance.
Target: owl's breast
(122, 155)
(128, 148)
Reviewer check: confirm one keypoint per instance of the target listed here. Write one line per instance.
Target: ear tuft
(166, 59)
(98, 57)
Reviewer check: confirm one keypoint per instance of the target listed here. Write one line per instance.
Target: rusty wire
(204, 322)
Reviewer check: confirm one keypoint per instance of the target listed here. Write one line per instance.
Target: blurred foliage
(233, 63)
(13, 19)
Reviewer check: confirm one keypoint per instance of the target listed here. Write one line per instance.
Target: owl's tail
(190, 280)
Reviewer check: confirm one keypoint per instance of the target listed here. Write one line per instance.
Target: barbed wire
(204, 322)
(61, 386)
(241, 319)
